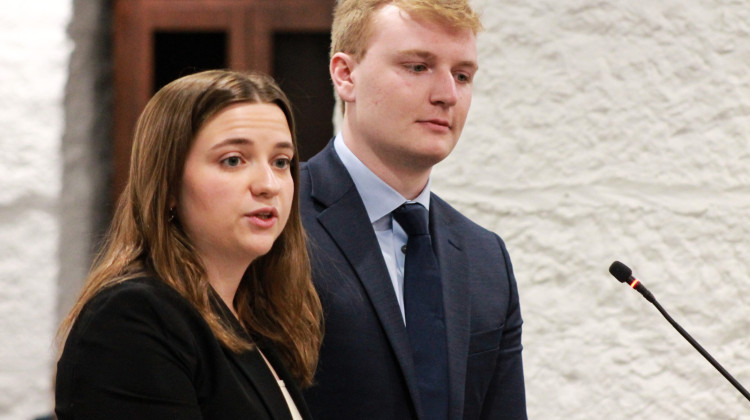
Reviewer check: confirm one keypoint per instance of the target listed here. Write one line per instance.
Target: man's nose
(444, 89)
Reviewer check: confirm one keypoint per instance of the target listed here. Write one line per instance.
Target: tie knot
(413, 218)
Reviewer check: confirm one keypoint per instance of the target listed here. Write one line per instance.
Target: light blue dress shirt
(380, 200)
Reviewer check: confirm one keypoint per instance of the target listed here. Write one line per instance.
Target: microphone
(625, 275)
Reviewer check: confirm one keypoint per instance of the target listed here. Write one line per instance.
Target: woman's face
(237, 187)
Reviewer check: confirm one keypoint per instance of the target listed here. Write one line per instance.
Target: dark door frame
(249, 24)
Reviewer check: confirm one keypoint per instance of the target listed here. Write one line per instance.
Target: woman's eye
(232, 161)
(281, 163)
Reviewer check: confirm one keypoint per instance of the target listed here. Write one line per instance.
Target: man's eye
(417, 68)
(463, 78)
(232, 161)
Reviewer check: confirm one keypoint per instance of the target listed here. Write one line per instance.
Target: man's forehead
(391, 19)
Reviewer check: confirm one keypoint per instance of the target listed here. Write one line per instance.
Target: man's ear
(341, 68)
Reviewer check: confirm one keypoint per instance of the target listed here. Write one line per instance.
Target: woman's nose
(264, 181)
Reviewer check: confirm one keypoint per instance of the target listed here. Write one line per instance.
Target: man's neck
(406, 181)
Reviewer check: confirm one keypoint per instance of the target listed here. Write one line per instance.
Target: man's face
(411, 92)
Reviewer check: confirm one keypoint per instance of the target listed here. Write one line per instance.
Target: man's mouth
(437, 121)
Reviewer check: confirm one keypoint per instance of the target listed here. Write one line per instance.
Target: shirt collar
(380, 199)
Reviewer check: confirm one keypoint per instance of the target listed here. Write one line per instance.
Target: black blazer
(366, 370)
(139, 350)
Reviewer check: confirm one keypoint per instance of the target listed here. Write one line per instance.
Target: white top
(289, 401)
(292, 406)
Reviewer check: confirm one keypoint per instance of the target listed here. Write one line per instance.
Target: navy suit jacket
(366, 369)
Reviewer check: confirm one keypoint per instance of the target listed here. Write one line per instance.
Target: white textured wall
(605, 130)
(33, 70)
(85, 205)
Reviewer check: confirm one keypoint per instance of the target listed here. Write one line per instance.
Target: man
(403, 70)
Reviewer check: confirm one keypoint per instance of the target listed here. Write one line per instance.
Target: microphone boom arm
(622, 273)
(702, 351)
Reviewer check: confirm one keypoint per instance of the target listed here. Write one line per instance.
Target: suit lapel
(456, 300)
(345, 219)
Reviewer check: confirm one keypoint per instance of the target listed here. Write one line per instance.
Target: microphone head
(621, 271)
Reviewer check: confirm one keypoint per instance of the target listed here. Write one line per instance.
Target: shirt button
(403, 249)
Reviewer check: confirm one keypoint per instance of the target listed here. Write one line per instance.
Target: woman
(200, 304)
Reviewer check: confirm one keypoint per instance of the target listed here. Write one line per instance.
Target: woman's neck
(225, 278)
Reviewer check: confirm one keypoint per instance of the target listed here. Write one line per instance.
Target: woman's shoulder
(144, 288)
(143, 344)
(138, 293)
(143, 304)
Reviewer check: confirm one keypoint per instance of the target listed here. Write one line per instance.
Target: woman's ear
(172, 202)
(341, 68)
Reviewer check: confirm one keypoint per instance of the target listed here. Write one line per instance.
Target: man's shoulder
(324, 178)
(451, 215)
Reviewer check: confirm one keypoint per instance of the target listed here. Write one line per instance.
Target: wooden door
(157, 41)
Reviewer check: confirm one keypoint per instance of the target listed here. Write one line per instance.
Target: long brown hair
(276, 298)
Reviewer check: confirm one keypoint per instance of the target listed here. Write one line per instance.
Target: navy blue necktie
(423, 307)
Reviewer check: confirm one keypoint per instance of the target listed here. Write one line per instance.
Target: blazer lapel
(345, 219)
(254, 368)
(456, 300)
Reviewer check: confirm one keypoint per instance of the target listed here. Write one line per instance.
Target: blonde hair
(352, 20)
(276, 298)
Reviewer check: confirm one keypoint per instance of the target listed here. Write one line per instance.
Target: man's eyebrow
(418, 53)
(426, 55)
(469, 64)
